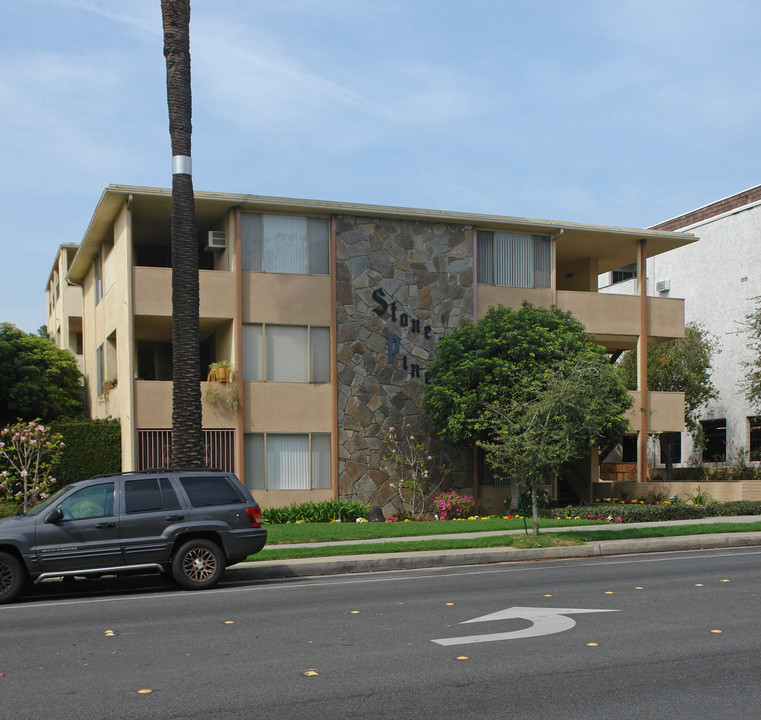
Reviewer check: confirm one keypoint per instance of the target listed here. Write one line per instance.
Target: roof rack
(158, 470)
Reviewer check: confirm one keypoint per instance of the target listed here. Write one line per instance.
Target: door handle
(174, 517)
(105, 525)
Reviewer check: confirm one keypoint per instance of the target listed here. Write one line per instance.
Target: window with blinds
(513, 259)
(277, 461)
(286, 353)
(285, 244)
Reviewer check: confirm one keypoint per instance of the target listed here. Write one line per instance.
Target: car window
(89, 502)
(142, 495)
(147, 494)
(171, 502)
(210, 490)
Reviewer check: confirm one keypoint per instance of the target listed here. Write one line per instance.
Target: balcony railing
(605, 315)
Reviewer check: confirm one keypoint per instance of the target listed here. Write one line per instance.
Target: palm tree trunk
(187, 435)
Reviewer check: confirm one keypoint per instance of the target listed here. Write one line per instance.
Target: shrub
(450, 505)
(325, 511)
(635, 512)
(91, 447)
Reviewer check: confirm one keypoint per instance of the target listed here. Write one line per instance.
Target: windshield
(47, 502)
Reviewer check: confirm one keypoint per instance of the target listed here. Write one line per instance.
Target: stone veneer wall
(422, 276)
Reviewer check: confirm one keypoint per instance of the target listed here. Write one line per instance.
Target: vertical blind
(513, 259)
(285, 244)
(287, 462)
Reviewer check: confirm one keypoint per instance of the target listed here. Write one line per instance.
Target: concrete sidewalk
(341, 564)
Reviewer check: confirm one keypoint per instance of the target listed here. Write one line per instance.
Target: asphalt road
(681, 638)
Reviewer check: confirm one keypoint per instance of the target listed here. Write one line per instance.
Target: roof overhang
(613, 246)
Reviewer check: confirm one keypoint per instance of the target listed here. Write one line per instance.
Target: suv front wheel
(11, 577)
(198, 564)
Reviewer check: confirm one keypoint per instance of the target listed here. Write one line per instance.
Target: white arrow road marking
(544, 621)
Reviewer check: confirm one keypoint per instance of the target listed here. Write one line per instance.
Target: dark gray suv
(190, 524)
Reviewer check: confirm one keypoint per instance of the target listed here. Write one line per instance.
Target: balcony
(153, 407)
(612, 319)
(666, 412)
(153, 292)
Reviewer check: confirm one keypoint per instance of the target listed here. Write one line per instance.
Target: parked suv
(189, 524)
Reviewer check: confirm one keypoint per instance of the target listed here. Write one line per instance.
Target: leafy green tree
(37, 379)
(564, 414)
(682, 365)
(499, 366)
(751, 383)
(187, 433)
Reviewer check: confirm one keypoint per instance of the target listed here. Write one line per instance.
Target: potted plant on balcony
(221, 371)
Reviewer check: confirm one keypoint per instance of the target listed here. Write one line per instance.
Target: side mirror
(54, 516)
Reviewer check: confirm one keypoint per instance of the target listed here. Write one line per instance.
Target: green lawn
(281, 535)
(332, 532)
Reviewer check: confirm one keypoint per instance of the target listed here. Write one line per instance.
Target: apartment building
(329, 314)
(720, 279)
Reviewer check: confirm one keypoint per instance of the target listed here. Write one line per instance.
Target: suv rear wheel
(198, 564)
(11, 577)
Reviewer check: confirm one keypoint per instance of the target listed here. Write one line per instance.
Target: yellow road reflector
(463, 657)
(311, 673)
(718, 632)
(592, 644)
(144, 691)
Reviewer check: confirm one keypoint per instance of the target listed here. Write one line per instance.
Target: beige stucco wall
(721, 491)
(153, 292)
(287, 407)
(153, 406)
(281, 498)
(601, 313)
(287, 299)
(666, 412)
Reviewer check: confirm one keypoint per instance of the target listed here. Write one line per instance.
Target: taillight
(254, 516)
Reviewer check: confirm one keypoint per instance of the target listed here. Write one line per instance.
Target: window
(754, 425)
(287, 462)
(285, 244)
(625, 273)
(629, 449)
(286, 353)
(671, 442)
(149, 494)
(206, 490)
(715, 433)
(90, 502)
(98, 273)
(513, 259)
(100, 369)
(154, 360)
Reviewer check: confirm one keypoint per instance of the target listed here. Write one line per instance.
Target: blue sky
(620, 112)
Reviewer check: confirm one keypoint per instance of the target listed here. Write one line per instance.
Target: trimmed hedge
(326, 511)
(634, 512)
(91, 447)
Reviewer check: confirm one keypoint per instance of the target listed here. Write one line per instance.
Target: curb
(345, 564)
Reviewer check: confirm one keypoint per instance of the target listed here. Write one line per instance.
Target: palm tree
(187, 435)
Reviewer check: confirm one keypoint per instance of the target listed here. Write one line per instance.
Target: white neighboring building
(719, 278)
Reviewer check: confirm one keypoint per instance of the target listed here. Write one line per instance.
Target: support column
(642, 362)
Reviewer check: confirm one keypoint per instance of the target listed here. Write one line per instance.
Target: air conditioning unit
(216, 240)
(663, 285)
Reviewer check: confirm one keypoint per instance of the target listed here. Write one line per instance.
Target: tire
(198, 564)
(12, 577)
